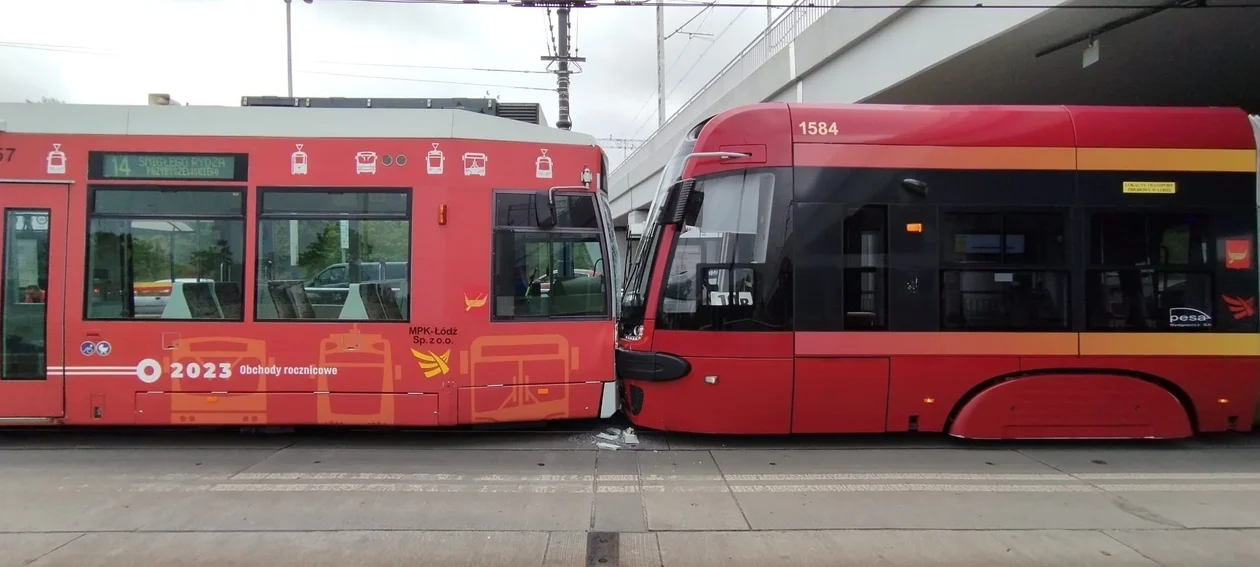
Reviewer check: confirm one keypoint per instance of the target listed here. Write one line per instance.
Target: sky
(212, 52)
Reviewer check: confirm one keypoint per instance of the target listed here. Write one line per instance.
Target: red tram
(280, 266)
(988, 272)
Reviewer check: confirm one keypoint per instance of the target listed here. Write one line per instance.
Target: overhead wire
(705, 10)
(712, 43)
(691, 19)
(729, 25)
(708, 13)
(656, 93)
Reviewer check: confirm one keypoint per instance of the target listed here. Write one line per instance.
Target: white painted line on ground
(426, 477)
(1007, 488)
(49, 476)
(1171, 476)
(804, 477)
(578, 488)
(369, 487)
(818, 477)
(1180, 487)
(1034, 488)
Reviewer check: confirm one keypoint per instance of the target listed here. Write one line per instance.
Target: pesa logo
(1188, 317)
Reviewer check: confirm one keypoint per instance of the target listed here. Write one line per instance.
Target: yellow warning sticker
(1150, 187)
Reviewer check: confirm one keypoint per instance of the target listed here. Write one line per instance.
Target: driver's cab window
(717, 269)
(556, 272)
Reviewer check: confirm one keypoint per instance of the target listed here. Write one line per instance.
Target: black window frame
(263, 191)
(851, 265)
(496, 229)
(1062, 269)
(41, 367)
(261, 215)
(839, 265)
(91, 215)
(1207, 269)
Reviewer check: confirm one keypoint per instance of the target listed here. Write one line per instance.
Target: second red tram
(281, 266)
(989, 272)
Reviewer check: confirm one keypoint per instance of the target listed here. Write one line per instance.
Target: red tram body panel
(279, 266)
(988, 272)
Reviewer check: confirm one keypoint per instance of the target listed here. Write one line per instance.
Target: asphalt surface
(134, 499)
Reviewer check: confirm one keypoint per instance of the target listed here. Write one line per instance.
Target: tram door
(32, 290)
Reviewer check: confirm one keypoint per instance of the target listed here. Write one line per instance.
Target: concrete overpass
(953, 52)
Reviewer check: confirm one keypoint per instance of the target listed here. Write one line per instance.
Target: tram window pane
(1042, 237)
(865, 264)
(549, 275)
(308, 269)
(24, 311)
(1149, 300)
(1027, 239)
(343, 203)
(973, 238)
(517, 210)
(1150, 271)
(1150, 239)
(167, 201)
(157, 269)
(997, 299)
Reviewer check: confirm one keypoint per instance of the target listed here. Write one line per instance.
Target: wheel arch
(1187, 404)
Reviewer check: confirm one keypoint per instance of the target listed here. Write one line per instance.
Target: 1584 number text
(818, 129)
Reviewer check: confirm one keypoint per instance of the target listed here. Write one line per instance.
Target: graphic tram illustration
(364, 364)
(517, 378)
(200, 396)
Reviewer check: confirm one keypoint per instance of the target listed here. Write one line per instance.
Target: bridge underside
(1181, 57)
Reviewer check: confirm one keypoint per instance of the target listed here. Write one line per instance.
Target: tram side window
(162, 253)
(557, 272)
(865, 270)
(24, 313)
(326, 255)
(841, 267)
(1004, 271)
(1150, 272)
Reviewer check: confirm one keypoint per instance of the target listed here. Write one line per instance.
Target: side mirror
(545, 210)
